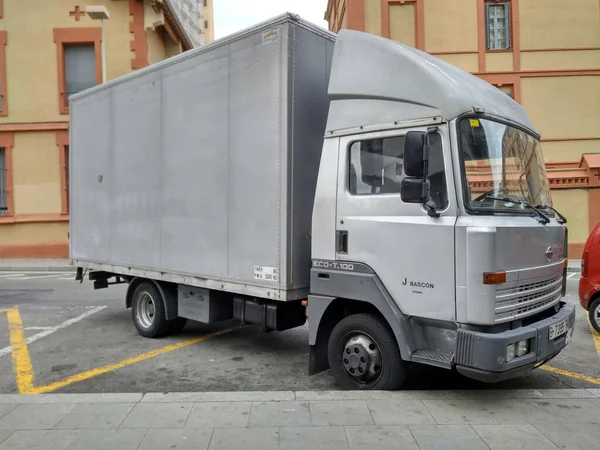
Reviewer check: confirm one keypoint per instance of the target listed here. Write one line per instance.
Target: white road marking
(35, 277)
(571, 275)
(23, 276)
(51, 330)
(37, 328)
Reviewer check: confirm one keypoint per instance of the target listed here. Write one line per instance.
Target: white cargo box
(201, 169)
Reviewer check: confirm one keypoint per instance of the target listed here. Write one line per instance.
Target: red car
(589, 284)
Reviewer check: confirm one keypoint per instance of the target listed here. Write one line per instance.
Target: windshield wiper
(543, 218)
(561, 219)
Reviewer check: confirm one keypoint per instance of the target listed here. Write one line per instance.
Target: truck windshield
(504, 167)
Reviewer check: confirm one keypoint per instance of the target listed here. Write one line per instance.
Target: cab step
(433, 358)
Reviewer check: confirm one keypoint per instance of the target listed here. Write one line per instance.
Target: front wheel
(594, 314)
(363, 354)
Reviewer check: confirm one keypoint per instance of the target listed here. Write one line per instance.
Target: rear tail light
(584, 263)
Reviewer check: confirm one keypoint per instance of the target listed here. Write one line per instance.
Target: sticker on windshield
(474, 123)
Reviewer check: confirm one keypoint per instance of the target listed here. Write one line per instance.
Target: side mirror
(412, 190)
(414, 146)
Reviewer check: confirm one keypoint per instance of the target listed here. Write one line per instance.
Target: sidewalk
(345, 420)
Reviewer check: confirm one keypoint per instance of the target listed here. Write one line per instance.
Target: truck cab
(434, 239)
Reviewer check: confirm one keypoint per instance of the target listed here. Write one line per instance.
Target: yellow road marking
(569, 374)
(20, 353)
(24, 370)
(596, 338)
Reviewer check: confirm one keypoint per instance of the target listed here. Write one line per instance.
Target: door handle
(342, 241)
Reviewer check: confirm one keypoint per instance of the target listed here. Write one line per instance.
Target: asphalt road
(77, 330)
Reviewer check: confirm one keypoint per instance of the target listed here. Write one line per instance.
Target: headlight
(522, 348)
(510, 352)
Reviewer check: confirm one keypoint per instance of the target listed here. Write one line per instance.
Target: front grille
(527, 299)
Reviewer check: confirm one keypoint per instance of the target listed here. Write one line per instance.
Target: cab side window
(376, 166)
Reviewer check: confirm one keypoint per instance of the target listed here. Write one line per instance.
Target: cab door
(411, 252)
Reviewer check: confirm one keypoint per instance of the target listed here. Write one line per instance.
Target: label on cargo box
(266, 273)
(271, 36)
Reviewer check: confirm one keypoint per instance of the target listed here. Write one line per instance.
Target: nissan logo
(549, 254)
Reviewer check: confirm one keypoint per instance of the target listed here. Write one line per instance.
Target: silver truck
(285, 174)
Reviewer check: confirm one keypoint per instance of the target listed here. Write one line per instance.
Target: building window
(79, 60)
(507, 89)
(80, 68)
(3, 182)
(497, 23)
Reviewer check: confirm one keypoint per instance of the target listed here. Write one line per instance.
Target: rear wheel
(148, 311)
(594, 314)
(363, 354)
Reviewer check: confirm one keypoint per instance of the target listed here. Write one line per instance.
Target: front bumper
(482, 356)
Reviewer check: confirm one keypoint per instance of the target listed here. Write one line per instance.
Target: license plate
(558, 330)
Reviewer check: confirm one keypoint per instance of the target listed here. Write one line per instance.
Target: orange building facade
(543, 53)
(49, 50)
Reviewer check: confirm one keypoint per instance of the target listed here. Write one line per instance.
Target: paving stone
(107, 439)
(94, 416)
(34, 417)
(179, 439)
(6, 408)
(399, 412)
(71, 398)
(447, 412)
(380, 438)
(518, 411)
(513, 437)
(196, 397)
(447, 437)
(280, 414)
(158, 415)
(350, 412)
(312, 438)
(219, 414)
(595, 401)
(595, 392)
(4, 434)
(259, 438)
(575, 436)
(39, 439)
(571, 410)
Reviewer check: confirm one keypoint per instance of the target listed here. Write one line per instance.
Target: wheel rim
(597, 315)
(145, 310)
(361, 358)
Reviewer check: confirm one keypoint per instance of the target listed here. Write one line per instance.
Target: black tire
(177, 325)
(159, 325)
(391, 372)
(594, 314)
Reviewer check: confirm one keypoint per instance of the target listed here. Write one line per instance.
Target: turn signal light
(494, 277)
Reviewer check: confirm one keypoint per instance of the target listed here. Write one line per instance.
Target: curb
(288, 396)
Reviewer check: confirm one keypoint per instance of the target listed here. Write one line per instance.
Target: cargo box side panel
(255, 146)
(311, 67)
(195, 168)
(136, 192)
(90, 177)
